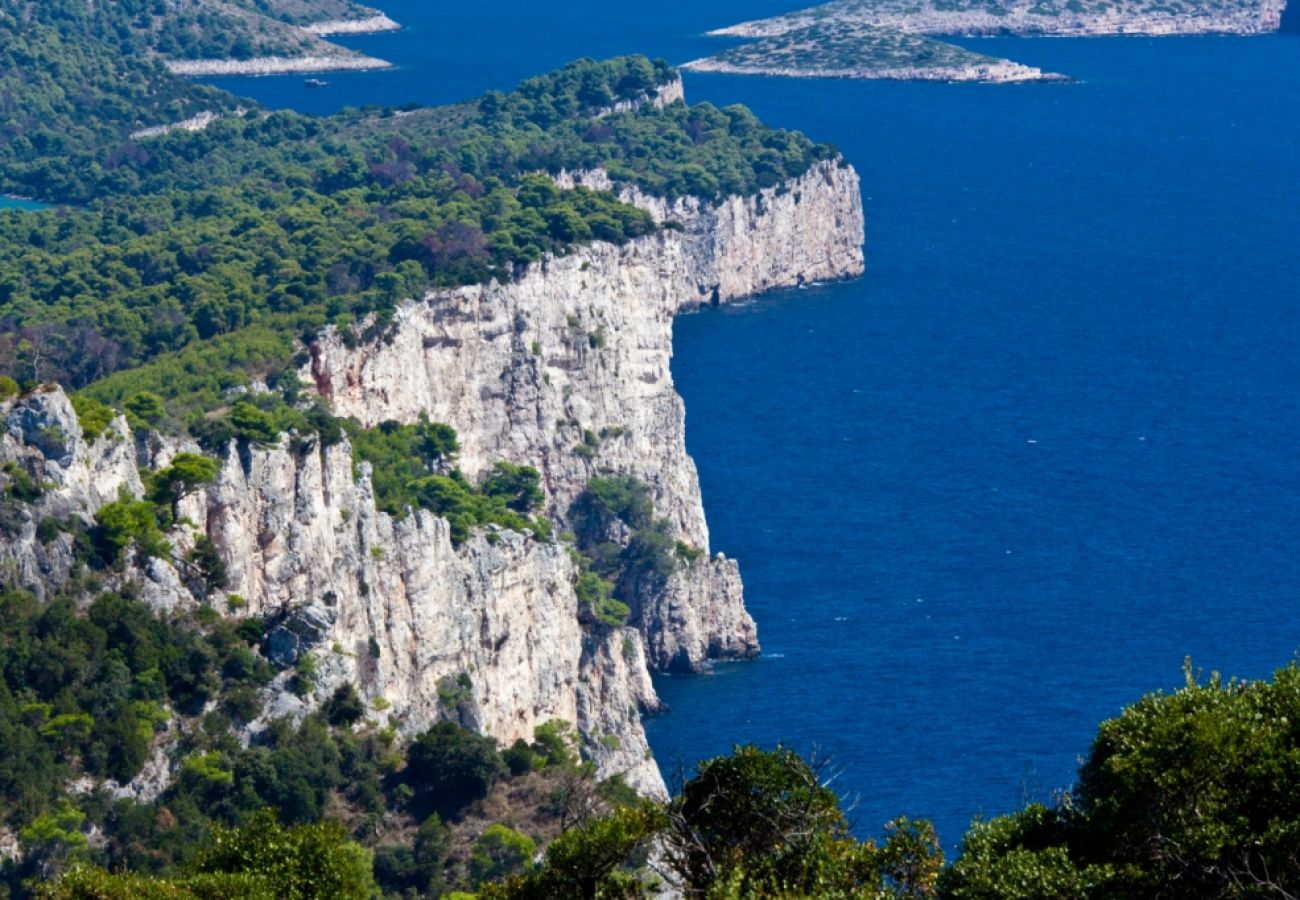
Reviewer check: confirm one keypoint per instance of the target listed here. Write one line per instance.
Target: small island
(892, 39)
(849, 49)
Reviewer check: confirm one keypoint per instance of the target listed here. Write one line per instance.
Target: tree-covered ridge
(204, 257)
(69, 101)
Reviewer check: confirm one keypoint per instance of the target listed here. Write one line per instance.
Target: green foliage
(344, 708)
(1021, 857)
(556, 742)
(400, 455)
(597, 859)
(303, 862)
(55, 837)
(249, 423)
(197, 259)
(1196, 789)
(760, 810)
(752, 824)
(500, 852)
(144, 409)
(8, 387)
(519, 487)
(128, 523)
(412, 467)
(81, 693)
(22, 486)
(520, 758)
(452, 766)
(93, 416)
(596, 601)
(206, 562)
(418, 868)
(615, 572)
(186, 474)
(84, 883)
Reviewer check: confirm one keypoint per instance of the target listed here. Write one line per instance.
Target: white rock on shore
(275, 65)
(1005, 72)
(372, 25)
(1021, 17)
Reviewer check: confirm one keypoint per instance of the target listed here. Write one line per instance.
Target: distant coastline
(275, 65)
(342, 61)
(376, 24)
(984, 73)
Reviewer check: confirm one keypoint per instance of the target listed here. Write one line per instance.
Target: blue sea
(15, 203)
(1045, 450)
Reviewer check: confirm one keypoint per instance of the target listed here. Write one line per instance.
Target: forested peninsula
(345, 509)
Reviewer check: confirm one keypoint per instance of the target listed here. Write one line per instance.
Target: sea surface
(15, 203)
(1045, 450)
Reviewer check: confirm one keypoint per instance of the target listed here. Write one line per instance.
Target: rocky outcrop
(370, 25)
(43, 443)
(567, 367)
(1002, 72)
(665, 94)
(193, 123)
(486, 633)
(276, 65)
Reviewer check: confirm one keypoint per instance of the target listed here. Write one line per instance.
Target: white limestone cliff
(573, 354)
(567, 368)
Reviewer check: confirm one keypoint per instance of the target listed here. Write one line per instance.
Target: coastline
(375, 24)
(1018, 23)
(275, 65)
(986, 73)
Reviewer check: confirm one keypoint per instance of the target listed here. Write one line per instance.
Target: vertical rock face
(43, 441)
(566, 369)
(486, 633)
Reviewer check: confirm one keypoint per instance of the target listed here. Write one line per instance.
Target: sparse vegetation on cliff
(413, 467)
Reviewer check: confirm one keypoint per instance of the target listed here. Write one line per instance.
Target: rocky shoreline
(987, 73)
(375, 24)
(275, 65)
(1026, 20)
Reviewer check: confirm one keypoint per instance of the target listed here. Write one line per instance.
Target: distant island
(851, 49)
(263, 38)
(890, 39)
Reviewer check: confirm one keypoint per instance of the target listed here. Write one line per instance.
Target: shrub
(93, 416)
(126, 523)
(498, 853)
(452, 766)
